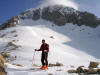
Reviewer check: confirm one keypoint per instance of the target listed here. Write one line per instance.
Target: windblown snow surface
(70, 45)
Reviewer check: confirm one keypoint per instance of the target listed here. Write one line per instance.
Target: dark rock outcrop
(57, 64)
(93, 64)
(60, 15)
(2, 66)
(80, 69)
(93, 69)
(10, 23)
(26, 15)
(54, 15)
(36, 14)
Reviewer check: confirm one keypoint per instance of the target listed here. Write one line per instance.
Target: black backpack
(47, 45)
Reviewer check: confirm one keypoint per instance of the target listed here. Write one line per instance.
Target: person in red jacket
(45, 49)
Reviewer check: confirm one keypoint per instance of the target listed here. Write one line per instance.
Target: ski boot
(45, 68)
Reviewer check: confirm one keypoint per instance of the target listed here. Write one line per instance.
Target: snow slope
(71, 45)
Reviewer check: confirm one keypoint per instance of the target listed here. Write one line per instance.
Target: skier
(45, 49)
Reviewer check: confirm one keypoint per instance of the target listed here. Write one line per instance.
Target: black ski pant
(44, 58)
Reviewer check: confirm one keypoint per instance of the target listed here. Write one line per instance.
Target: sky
(9, 8)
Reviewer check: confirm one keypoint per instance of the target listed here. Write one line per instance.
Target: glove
(36, 50)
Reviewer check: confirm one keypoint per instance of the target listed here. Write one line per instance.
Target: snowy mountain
(60, 15)
(57, 14)
(71, 45)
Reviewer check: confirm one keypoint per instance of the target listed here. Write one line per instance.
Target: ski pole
(33, 58)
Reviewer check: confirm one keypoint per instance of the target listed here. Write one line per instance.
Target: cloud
(69, 3)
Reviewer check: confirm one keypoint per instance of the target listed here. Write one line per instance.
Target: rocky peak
(58, 14)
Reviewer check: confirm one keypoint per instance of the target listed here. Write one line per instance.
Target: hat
(43, 40)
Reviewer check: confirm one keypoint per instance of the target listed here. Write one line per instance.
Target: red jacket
(44, 47)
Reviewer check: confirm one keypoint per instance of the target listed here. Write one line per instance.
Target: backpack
(47, 45)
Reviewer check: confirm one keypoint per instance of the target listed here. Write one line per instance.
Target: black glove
(36, 50)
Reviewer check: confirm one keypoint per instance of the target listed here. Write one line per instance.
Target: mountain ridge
(57, 14)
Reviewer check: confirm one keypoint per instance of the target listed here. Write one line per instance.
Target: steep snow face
(69, 44)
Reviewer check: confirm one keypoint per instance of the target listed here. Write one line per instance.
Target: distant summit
(59, 15)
